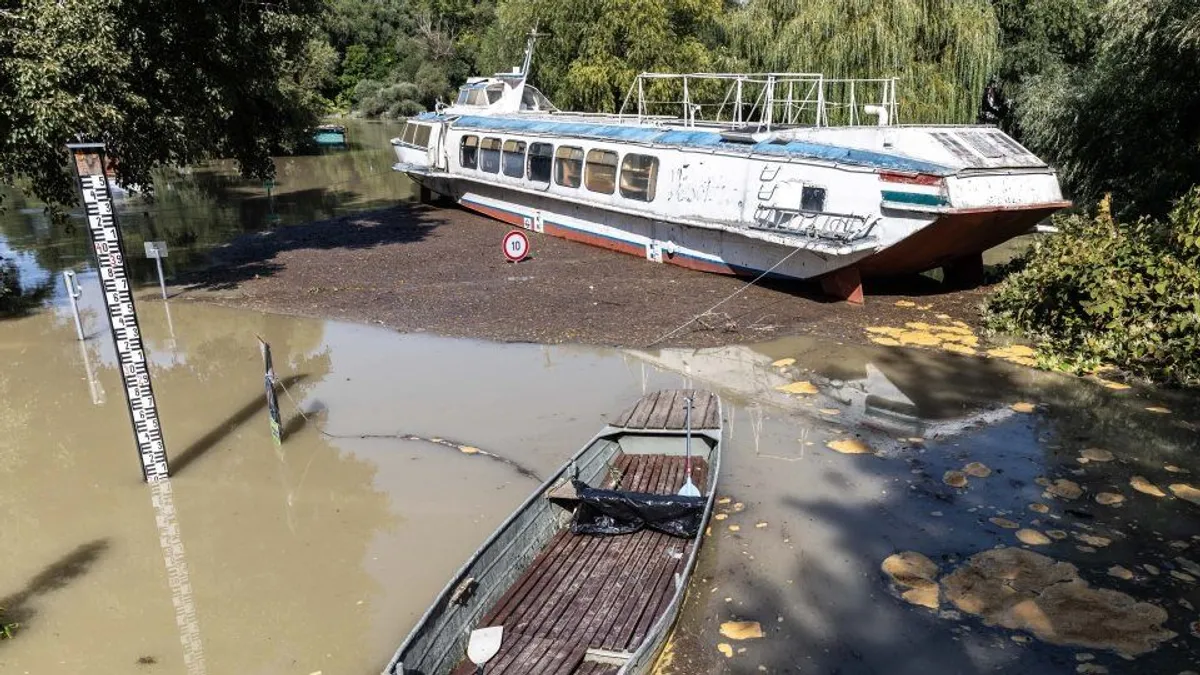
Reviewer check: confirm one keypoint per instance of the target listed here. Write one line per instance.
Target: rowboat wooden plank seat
(588, 575)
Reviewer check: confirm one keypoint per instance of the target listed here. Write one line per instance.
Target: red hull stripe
(910, 178)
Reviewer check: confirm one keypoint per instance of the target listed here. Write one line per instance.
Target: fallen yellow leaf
(849, 446)
(725, 649)
(742, 630)
(1159, 409)
(802, 387)
(782, 363)
(1023, 407)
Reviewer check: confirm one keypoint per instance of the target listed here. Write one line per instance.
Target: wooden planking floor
(587, 591)
(667, 409)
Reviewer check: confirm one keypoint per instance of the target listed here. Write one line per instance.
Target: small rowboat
(588, 575)
(330, 135)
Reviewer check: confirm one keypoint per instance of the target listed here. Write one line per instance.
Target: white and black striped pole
(89, 162)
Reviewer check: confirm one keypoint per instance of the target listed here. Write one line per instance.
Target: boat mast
(529, 43)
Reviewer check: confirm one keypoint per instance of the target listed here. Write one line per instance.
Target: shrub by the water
(1106, 292)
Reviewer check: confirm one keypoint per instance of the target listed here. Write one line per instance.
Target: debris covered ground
(441, 270)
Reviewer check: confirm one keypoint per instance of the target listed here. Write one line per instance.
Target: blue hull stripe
(738, 269)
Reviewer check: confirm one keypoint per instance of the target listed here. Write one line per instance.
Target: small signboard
(516, 246)
(156, 249)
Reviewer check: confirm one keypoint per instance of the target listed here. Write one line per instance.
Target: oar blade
(484, 643)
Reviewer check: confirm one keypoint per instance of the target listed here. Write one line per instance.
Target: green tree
(160, 82)
(943, 51)
(596, 48)
(1124, 121)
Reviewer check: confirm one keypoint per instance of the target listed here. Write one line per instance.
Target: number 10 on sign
(516, 246)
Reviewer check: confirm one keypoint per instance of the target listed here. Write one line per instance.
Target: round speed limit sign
(516, 246)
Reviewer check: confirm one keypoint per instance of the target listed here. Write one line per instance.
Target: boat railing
(762, 101)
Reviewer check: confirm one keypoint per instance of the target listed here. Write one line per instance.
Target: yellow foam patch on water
(802, 387)
(1115, 386)
(850, 446)
(1023, 407)
(1159, 409)
(724, 500)
(783, 363)
(1109, 498)
(1057, 535)
(1032, 537)
(1120, 572)
(468, 450)
(830, 411)
(1093, 539)
(1174, 469)
(1024, 591)
(916, 573)
(944, 317)
(917, 325)
(1038, 507)
(1005, 523)
(977, 469)
(1096, 455)
(1066, 489)
(886, 341)
(760, 525)
(738, 506)
(955, 479)
(725, 649)
(954, 329)
(905, 303)
(1185, 492)
(735, 528)
(720, 516)
(742, 630)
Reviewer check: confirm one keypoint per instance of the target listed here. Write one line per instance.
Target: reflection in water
(198, 208)
(171, 542)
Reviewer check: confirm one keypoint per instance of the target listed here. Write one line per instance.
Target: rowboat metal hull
(579, 603)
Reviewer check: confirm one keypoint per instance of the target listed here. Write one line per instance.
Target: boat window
(540, 158)
(532, 99)
(600, 175)
(568, 166)
(468, 156)
(410, 131)
(639, 173)
(477, 97)
(514, 158)
(489, 155)
(494, 92)
(812, 198)
(423, 135)
(462, 96)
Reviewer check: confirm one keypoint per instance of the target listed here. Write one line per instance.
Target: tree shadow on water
(56, 576)
(255, 254)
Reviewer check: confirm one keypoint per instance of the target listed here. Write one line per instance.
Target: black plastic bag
(618, 512)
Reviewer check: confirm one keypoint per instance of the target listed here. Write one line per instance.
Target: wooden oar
(689, 488)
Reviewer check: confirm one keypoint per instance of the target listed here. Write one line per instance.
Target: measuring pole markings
(122, 315)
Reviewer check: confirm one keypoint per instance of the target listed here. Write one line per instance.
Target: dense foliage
(942, 50)
(1116, 292)
(1107, 92)
(160, 82)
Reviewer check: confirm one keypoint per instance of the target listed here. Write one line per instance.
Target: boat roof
(694, 138)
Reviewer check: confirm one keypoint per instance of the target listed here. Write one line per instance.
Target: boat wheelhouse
(790, 175)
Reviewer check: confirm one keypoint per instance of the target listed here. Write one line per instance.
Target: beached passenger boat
(792, 174)
(588, 575)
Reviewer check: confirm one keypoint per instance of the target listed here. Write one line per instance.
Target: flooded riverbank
(320, 555)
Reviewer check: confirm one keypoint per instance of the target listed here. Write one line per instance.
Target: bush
(1104, 292)
(10, 286)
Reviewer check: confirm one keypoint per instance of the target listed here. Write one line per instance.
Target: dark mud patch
(425, 269)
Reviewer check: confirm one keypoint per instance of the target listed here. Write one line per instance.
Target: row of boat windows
(416, 134)
(598, 170)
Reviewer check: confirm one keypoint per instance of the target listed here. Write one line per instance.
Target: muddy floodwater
(889, 507)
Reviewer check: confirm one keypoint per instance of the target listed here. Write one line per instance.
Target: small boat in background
(588, 575)
(330, 135)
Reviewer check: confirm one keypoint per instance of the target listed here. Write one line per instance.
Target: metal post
(687, 104)
(73, 293)
(737, 111)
